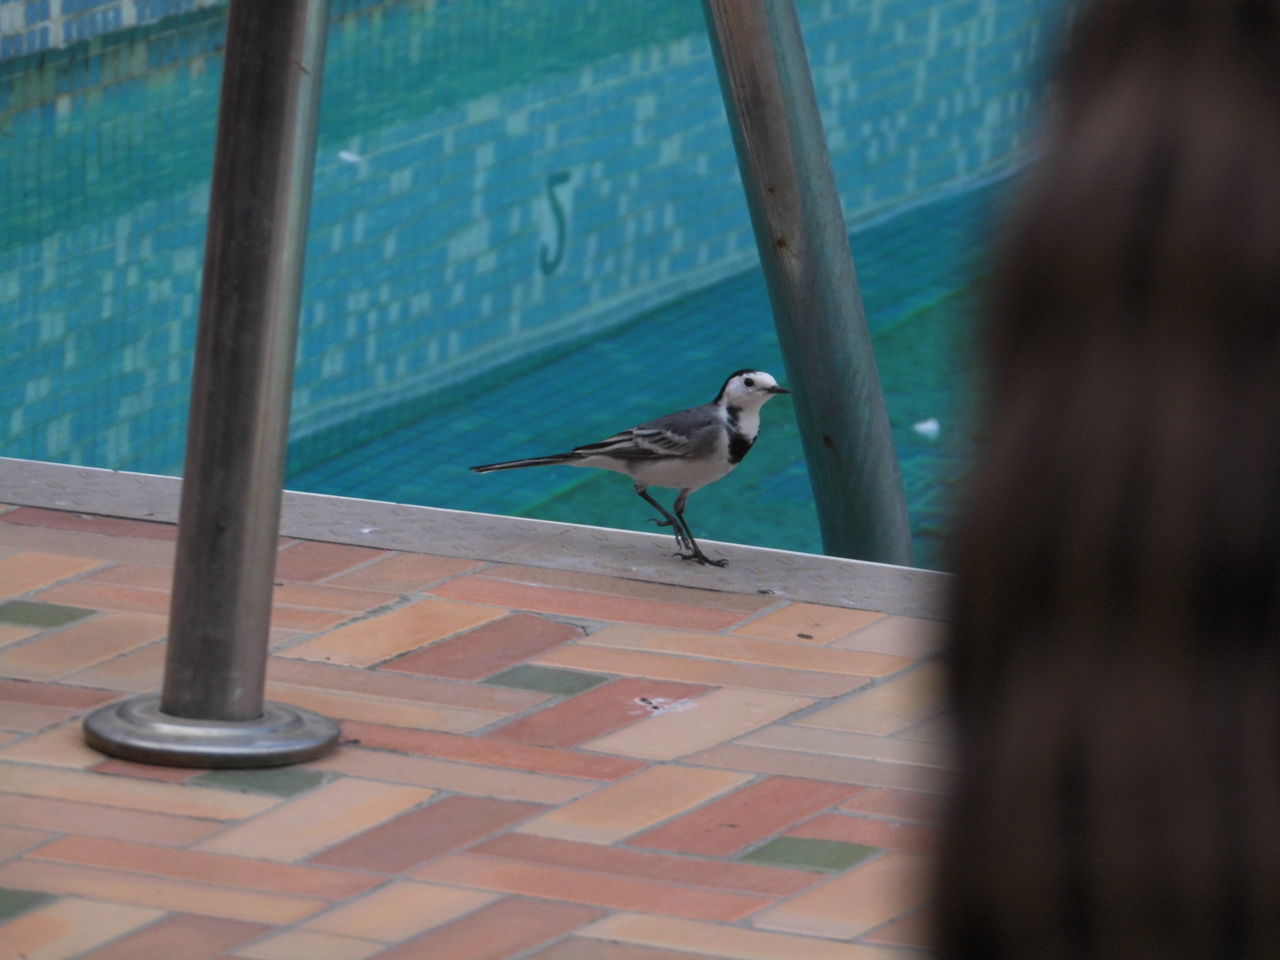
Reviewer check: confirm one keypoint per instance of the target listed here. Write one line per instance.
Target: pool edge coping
(788, 575)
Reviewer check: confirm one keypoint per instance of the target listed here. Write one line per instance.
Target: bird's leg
(695, 552)
(682, 539)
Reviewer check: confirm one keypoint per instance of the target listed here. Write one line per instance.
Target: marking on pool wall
(549, 264)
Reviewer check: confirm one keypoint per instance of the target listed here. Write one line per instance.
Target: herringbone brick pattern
(535, 764)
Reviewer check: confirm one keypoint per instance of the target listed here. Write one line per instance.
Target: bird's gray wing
(689, 433)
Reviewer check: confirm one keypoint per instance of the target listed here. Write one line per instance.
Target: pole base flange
(139, 730)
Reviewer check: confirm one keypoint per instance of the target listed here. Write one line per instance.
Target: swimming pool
(510, 196)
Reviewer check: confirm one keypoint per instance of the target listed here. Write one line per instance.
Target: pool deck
(558, 743)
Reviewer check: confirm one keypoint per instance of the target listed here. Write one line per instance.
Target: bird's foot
(700, 557)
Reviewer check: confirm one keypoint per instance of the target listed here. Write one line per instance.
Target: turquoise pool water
(527, 232)
(916, 273)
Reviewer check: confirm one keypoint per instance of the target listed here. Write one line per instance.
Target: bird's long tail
(528, 462)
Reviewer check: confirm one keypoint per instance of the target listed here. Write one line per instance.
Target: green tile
(547, 680)
(14, 902)
(810, 854)
(30, 613)
(277, 781)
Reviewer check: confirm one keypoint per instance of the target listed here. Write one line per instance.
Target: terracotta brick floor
(535, 764)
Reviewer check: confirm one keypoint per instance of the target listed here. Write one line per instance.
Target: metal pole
(804, 250)
(212, 711)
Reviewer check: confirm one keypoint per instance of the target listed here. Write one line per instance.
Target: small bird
(684, 451)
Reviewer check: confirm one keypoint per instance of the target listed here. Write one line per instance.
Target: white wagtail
(684, 450)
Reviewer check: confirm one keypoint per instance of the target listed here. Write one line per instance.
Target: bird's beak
(777, 389)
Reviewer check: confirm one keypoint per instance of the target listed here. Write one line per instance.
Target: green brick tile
(810, 854)
(547, 680)
(14, 902)
(277, 781)
(31, 613)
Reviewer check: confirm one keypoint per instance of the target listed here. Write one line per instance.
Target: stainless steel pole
(212, 711)
(808, 268)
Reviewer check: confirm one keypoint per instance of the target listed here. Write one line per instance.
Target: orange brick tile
(487, 649)
(817, 766)
(23, 572)
(747, 816)
(886, 834)
(404, 572)
(898, 804)
(595, 712)
(888, 707)
(457, 777)
(850, 904)
(89, 523)
(503, 929)
(735, 649)
(53, 694)
(381, 637)
(202, 898)
(181, 936)
(576, 948)
(715, 673)
(61, 746)
(405, 713)
(139, 671)
(15, 841)
(728, 943)
(420, 835)
(107, 596)
(305, 619)
(80, 544)
(11, 633)
(624, 808)
(808, 623)
(312, 560)
(490, 751)
(639, 589)
(68, 927)
(699, 723)
(401, 686)
(399, 910)
(92, 788)
(326, 596)
(145, 771)
(30, 717)
(92, 820)
(838, 743)
(81, 645)
(581, 603)
(317, 819)
(899, 637)
(250, 873)
(590, 888)
(293, 944)
(915, 930)
(145, 575)
(766, 881)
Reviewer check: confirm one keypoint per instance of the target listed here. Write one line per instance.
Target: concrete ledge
(903, 591)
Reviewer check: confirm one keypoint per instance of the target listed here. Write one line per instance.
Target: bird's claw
(700, 557)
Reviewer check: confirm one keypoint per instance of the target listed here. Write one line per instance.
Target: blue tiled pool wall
(492, 180)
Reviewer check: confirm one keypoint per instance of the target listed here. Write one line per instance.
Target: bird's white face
(750, 388)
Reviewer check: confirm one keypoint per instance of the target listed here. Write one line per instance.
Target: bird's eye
(748, 382)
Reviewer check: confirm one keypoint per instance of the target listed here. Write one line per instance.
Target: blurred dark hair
(1115, 665)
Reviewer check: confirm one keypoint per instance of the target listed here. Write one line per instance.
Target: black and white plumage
(684, 450)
